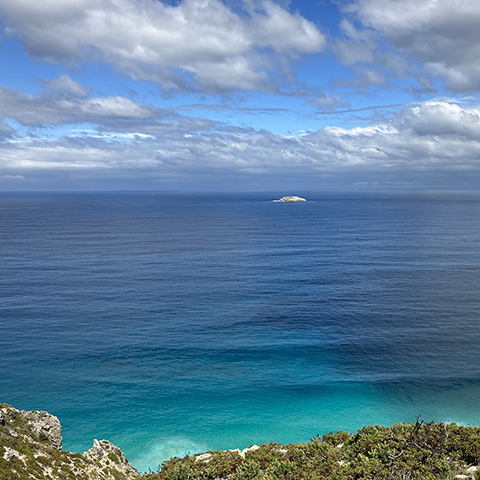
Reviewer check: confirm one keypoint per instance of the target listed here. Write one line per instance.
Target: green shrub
(419, 451)
(180, 472)
(279, 468)
(249, 471)
(113, 457)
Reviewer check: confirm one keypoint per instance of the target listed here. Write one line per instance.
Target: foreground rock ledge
(31, 448)
(292, 198)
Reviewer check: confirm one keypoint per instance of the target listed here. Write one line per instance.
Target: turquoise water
(182, 323)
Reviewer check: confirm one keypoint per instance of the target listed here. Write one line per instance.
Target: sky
(240, 95)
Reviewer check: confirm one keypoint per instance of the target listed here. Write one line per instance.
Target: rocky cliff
(31, 448)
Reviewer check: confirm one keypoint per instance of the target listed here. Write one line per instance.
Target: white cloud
(434, 136)
(49, 109)
(357, 47)
(115, 106)
(444, 35)
(329, 102)
(349, 52)
(12, 177)
(215, 48)
(66, 87)
(109, 114)
(441, 120)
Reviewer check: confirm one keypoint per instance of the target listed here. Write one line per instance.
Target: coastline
(31, 447)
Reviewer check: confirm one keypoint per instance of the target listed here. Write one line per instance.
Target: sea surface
(173, 323)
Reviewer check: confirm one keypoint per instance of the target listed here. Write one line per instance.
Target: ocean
(179, 323)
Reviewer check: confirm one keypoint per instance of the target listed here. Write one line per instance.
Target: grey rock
(204, 457)
(102, 448)
(108, 453)
(253, 448)
(42, 433)
(469, 472)
(243, 452)
(44, 424)
(9, 453)
(235, 450)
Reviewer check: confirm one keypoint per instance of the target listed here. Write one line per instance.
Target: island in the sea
(292, 198)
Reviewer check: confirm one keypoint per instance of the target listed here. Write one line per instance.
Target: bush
(418, 451)
(249, 471)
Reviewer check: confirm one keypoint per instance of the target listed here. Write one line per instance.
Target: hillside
(31, 448)
(421, 451)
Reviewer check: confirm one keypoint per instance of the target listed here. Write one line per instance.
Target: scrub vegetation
(30, 449)
(423, 451)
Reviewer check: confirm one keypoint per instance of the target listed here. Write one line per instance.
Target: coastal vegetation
(30, 448)
(418, 451)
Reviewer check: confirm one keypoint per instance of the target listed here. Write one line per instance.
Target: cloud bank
(196, 45)
(136, 140)
(443, 35)
(243, 52)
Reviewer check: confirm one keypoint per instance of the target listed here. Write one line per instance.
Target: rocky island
(31, 449)
(291, 198)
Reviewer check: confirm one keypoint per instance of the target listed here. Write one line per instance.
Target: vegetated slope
(31, 448)
(420, 451)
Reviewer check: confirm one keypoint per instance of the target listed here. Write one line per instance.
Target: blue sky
(239, 95)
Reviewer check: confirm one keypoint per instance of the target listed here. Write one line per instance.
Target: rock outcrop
(31, 448)
(105, 452)
(45, 426)
(292, 198)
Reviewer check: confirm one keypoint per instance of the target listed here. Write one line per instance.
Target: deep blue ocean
(174, 323)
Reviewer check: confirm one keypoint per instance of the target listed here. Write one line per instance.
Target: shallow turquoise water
(174, 324)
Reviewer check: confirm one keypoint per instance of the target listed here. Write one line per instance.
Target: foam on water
(172, 447)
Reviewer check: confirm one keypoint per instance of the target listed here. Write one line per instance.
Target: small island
(292, 198)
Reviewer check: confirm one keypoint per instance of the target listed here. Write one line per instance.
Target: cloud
(364, 77)
(426, 139)
(12, 177)
(441, 34)
(198, 44)
(113, 113)
(66, 87)
(6, 131)
(357, 47)
(329, 103)
(442, 121)
(48, 109)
